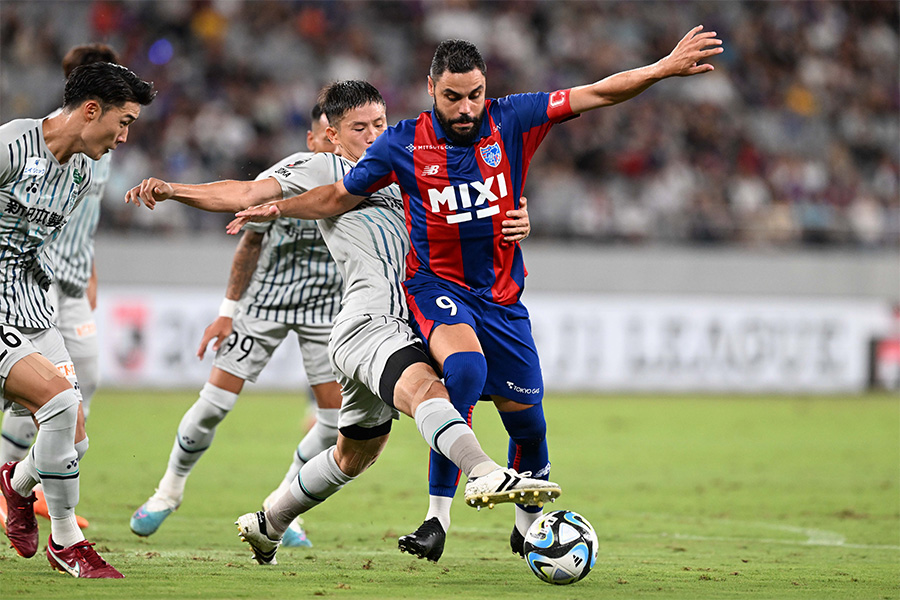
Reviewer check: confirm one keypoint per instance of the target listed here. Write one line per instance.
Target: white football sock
(446, 432)
(17, 435)
(318, 479)
(439, 506)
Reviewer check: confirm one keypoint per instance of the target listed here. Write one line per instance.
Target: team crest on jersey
(35, 166)
(491, 154)
(78, 177)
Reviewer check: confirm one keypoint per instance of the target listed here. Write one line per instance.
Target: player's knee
(465, 374)
(60, 412)
(212, 406)
(405, 375)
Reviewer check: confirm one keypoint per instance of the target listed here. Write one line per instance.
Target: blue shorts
(514, 369)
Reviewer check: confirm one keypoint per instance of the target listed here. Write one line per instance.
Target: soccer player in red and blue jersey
(460, 167)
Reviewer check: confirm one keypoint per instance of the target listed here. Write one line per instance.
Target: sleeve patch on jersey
(558, 107)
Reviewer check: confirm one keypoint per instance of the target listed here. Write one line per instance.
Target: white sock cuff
(221, 399)
(64, 403)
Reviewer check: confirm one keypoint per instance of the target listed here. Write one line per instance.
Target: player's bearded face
(459, 104)
(460, 136)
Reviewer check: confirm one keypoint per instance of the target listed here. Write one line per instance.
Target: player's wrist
(228, 308)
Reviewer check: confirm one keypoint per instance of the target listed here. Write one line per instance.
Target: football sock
(528, 444)
(318, 479)
(198, 428)
(65, 530)
(446, 432)
(87, 369)
(524, 518)
(25, 477)
(321, 436)
(81, 448)
(54, 454)
(16, 436)
(439, 506)
(464, 376)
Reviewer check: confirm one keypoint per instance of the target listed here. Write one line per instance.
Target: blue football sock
(464, 376)
(528, 443)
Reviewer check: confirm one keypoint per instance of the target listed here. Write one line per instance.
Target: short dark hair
(456, 56)
(339, 97)
(109, 84)
(88, 54)
(316, 113)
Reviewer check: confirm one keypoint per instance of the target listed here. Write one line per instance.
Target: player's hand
(218, 330)
(258, 214)
(695, 46)
(517, 227)
(150, 191)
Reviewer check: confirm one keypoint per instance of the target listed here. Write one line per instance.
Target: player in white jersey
(45, 171)
(382, 366)
(73, 293)
(288, 282)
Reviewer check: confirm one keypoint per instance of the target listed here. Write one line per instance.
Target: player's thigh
(362, 349)
(432, 306)
(514, 368)
(75, 321)
(313, 341)
(34, 367)
(247, 351)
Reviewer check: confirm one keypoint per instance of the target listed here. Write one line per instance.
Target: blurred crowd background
(793, 140)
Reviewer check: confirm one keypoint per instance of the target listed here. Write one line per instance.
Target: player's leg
(75, 321)
(323, 434)
(365, 424)
(193, 438)
(34, 381)
(516, 386)
(241, 358)
(444, 319)
(16, 436)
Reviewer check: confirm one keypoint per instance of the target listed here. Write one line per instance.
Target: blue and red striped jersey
(456, 197)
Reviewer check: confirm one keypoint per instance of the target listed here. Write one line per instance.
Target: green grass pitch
(691, 497)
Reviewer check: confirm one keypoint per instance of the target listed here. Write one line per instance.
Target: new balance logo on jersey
(461, 196)
(77, 177)
(431, 170)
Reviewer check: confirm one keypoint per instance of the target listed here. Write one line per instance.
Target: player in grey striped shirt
(382, 366)
(45, 171)
(288, 282)
(73, 293)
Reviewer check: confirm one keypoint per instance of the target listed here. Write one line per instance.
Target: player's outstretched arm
(517, 226)
(684, 60)
(243, 265)
(318, 203)
(219, 196)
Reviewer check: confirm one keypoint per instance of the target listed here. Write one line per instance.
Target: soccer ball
(561, 547)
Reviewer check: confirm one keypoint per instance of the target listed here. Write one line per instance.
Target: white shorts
(247, 351)
(16, 344)
(75, 321)
(360, 348)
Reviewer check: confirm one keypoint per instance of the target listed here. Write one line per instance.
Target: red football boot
(80, 560)
(21, 526)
